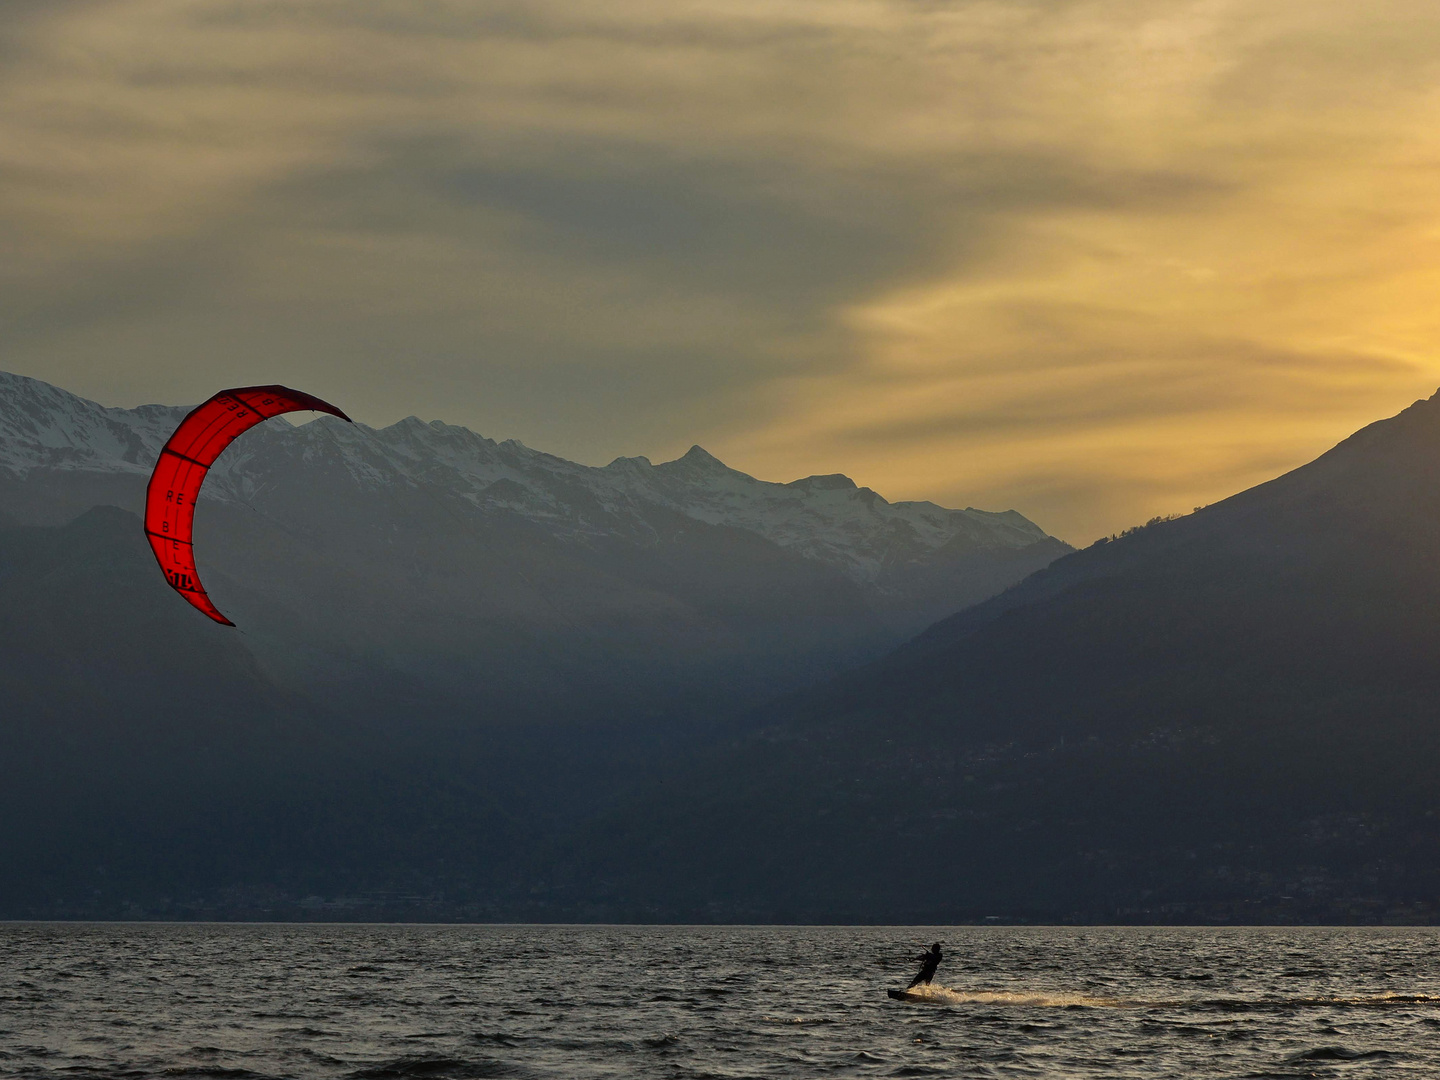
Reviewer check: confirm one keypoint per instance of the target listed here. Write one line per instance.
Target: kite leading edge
(184, 463)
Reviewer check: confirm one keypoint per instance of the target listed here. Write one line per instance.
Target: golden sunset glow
(1094, 261)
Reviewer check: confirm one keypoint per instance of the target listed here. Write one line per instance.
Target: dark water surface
(143, 1000)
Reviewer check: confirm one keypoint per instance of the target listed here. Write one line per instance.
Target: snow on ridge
(825, 517)
(42, 426)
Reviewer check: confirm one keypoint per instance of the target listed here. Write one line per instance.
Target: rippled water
(142, 1000)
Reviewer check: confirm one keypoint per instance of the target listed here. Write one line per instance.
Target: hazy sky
(1091, 260)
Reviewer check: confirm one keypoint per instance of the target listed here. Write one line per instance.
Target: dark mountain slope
(147, 759)
(1371, 500)
(1232, 714)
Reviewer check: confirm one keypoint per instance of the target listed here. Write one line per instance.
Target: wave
(1361, 1001)
(936, 994)
(1336, 1053)
(433, 1065)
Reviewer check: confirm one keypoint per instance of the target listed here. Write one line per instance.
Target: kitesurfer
(929, 961)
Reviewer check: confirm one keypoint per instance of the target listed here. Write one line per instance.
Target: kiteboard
(906, 995)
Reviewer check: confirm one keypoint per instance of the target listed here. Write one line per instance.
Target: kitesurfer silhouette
(930, 960)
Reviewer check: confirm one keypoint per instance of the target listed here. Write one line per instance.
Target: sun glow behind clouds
(1253, 278)
(1092, 260)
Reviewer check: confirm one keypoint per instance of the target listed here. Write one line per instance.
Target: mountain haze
(1234, 715)
(454, 623)
(478, 681)
(424, 551)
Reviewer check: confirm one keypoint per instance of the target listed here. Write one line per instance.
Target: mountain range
(1229, 716)
(423, 553)
(485, 624)
(477, 681)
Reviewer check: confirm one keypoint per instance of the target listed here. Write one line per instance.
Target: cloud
(1096, 259)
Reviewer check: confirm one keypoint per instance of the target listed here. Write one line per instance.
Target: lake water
(177, 1000)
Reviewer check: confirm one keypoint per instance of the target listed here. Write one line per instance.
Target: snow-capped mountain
(827, 519)
(44, 427)
(425, 619)
(422, 562)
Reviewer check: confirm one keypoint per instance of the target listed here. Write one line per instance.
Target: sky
(1094, 261)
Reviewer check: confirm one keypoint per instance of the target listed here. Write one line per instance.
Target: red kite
(185, 462)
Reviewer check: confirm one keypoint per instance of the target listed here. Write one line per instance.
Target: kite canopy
(185, 462)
